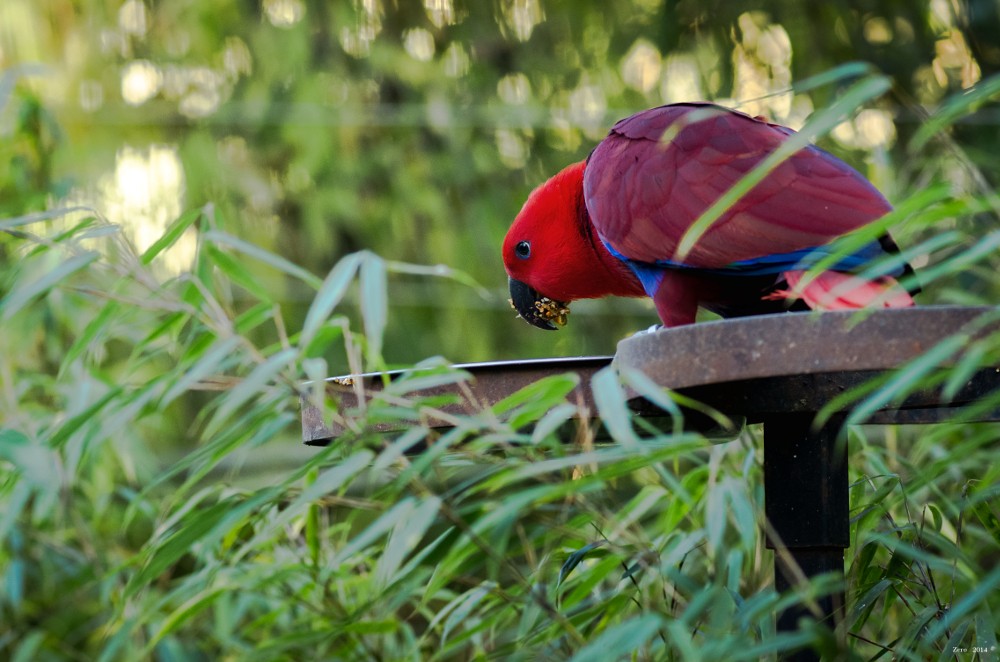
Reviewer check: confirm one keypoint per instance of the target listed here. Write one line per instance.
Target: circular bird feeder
(779, 370)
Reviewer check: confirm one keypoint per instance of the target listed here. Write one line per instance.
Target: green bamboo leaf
(96, 327)
(404, 537)
(422, 378)
(624, 639)
(610, 400)
(24, 291)
(956, 640)
(375, 530)
(330, 293)
(463, 607)
(984, 248)
(864, 605)
(236, 272)
(28, 646)
(986, 631)
(839, 73)
(170, 550)
(262, 427)
(908, 378)
(983, 502)
(190, 608)
(258, 253)
(32, 460)
(606, 569)
(171, 324)
(970, 602)
(374, 304)
(574, 559)
(173, 233)
(954, 108)
(37, 217)
(68, 427)
(254, 316)
(440, 271)
(530, 403)
(553, 421)
(208, 363)
(249, 387)
(971, 361)
(329, 481)
(199, 525)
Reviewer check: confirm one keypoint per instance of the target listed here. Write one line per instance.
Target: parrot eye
(523, 250)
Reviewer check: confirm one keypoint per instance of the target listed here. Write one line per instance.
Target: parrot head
(552, 255)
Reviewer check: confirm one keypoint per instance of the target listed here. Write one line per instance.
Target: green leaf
(173, 233)
(953, 109)
(208, 363)
(610, 400)
(623, 639)
(96, 327)
(203, 525)
(404, 537)
(268, 258)
(462, 607)
(330, 293)
(575, 558)
(607, 569)
(864, 605)
(837, 74)
(374, 304)
(441, 271)
(967, 604)
(906, 379)
(28, 646)
(194, 605)
(983, 503)
(24, 292)
(37, 217)
(32, 460)
(236, 272)
(328, 482)
(249, 387)
(530, 403)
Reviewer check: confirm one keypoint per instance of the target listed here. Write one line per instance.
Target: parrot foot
(652, 329)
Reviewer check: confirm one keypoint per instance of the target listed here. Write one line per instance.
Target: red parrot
(612, 225)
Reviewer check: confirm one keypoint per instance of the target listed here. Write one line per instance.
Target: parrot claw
(652, 329)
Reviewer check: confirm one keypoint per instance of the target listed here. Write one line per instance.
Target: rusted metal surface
(752, 367)
(798, 362)
(755, 399)
(488, 384)
(790, 344)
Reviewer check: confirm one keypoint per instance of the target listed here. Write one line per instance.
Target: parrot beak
(535, 309)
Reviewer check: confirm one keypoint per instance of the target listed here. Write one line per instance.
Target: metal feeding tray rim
(712, 353)
(491, 382)
(810, 343)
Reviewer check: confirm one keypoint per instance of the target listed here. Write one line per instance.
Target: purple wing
(658, 170)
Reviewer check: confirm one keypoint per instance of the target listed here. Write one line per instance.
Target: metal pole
(806, 501)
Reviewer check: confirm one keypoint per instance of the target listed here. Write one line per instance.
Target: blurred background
(154, 492)
(417, 129)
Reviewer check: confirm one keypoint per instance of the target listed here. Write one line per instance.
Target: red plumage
(644, 192)
(653, 176)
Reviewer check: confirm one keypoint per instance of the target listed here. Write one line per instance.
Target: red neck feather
(568, 260)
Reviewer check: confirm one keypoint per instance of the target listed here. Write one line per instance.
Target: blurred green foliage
(416, 130)
(259, 190)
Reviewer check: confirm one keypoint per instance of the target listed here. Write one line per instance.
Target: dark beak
(531, 306)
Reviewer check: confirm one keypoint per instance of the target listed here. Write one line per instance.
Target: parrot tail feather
(834, 290)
